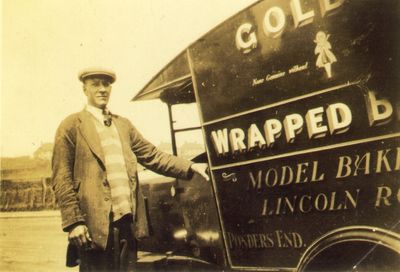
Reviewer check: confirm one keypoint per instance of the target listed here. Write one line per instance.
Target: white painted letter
(383, 195)
(253, 182)
(339, 118)
(293, 125)
(382, 159)
(255, 137)
(327, 6)
(379, 111)
(272, 130)
(314, 120)
(236, 137)
(344, 165)
(220, 141)
(299, 17)
(275, 30)
(251, 43)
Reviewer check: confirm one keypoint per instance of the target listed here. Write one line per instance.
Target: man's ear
(84, 88)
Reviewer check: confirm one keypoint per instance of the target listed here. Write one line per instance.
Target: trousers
(120, 253)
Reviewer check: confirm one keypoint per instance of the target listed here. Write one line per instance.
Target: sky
(45, 43)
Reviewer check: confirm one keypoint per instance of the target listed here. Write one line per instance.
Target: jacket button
(105, 183)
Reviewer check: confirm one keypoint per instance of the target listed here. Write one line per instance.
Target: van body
(299, 109)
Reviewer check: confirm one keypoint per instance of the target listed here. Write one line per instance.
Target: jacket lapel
(89, 133)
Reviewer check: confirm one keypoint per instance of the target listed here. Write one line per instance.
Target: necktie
(107, 117)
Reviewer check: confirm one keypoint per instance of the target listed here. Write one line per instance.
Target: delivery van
(298, 105)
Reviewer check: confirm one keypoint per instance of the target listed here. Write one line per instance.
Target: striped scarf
(116, 170)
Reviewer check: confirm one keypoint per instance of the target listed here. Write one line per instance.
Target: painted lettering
(379, 110)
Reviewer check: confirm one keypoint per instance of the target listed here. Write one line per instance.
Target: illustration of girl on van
(323, 50)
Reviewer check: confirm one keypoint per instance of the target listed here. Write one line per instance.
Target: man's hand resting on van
(201, 169)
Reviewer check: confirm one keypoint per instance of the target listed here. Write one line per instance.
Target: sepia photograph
(188, 135)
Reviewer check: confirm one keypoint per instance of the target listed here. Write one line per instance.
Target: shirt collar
(96, 112)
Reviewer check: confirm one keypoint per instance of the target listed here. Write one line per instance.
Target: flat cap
(93, 71)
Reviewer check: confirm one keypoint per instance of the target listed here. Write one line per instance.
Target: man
(95, 179)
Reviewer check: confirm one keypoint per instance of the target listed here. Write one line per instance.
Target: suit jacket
(80, 180)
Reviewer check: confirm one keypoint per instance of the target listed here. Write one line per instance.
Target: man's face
(97, 90)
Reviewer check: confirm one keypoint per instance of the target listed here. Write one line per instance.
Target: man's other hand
(201, 169)
(79, 236)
